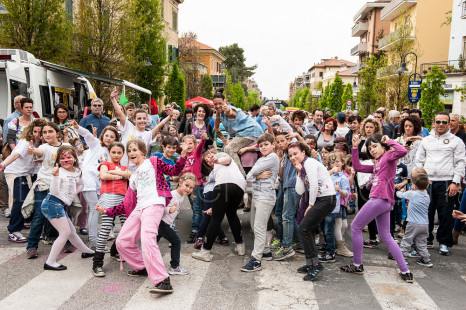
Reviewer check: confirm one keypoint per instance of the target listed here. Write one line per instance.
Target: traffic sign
(414, 91)
(349, 103)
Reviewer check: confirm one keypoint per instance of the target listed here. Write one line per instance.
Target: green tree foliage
(431, 89)
(336, 91)
(39, 27)
(206, 86)
(371, 89)
(253, 98)
(174, 89)
(237, 98)
(235, 63)
(228, 86)
(347, 95)
(325, 98)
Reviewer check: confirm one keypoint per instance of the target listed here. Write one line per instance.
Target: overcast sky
(284, 38)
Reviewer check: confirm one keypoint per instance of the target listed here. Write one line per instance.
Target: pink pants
(143, 224)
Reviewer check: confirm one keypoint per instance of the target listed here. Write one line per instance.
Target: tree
(253, 98)
(174, 89)
(237, 97)
(325, 98)
(235, 63)
(228, 86)
(372, 90)
(39, 27)
(431, 89)
(336, 91)
(206, 86)
(189, 59)
(347, 95)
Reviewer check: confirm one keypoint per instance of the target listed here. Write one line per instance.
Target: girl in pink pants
(152, 194)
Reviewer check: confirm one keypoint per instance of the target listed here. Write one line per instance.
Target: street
(221, 285)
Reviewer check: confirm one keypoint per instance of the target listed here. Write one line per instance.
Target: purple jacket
(384, 171)
(163, 190)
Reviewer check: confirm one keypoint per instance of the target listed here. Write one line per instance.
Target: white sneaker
(177, 271)
(7, 213)
(240, 249)
(203, 255)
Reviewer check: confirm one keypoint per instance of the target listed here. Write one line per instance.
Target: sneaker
(424, 263)
(203, 255)
(351, 268)
(267, 256)
(283, 253)
(275, 244)
(17, 237)
(327, 258)
(371, 244)
(137, 273)
(252, 265)
(240, 248)
(68, 248)
(7, 213)
(98, 272)
(430, 244)
(163, 287)
(304, 269)
(31, 253)
(83, 231)
(414, 254)
(444, 250)
(177, 271)
(313, 272)
(116, 257)
(199, 243)
(47, 241)
(192, 237)
(223, 241)
(408, 277)
(298, 248)
(322, 249)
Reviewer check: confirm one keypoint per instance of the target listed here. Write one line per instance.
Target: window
(45, 100)
(463, 11)
(16, 89)
(69, 9)
(321, 74)
(464, 47)
(175, 20)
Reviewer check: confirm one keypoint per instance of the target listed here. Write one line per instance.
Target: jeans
(279, 212)
(166, 232)
(290, 227)
(53, 208)
(329, 231)
(444, 205)
(458, 224)
(20, 191)
(196, 206)
(206, 218)
(38, 221)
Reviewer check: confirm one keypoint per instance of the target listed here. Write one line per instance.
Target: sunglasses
(97, 105)
(441, 122)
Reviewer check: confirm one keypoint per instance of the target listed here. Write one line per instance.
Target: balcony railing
(447, 66)
(355, 69)
(387, 42)
(359, 48)
(359, 29)
(388, 70)
(396, 7)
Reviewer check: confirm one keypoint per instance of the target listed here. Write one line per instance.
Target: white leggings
(340, 228)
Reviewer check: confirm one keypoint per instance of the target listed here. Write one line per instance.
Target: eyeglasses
(441, 122)
(334, 162)
(97, 105)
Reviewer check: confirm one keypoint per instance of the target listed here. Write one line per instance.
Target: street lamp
(147, 64)
(354, 83)
(3, 10)
(404, 69)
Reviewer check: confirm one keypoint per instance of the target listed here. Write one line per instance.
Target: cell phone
(409, 142)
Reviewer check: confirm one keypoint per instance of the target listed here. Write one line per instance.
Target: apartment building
(325, 72)
(252, 85)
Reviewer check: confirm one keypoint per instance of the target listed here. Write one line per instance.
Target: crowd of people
(299, 174)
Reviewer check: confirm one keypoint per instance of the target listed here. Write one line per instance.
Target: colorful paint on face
(66, 159)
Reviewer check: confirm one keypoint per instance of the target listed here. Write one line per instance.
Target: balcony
(388, 71)
(359, 29)
(396, 8)
(359, 49)
(387, 42)
(355, 69)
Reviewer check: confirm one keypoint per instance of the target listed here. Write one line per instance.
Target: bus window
(16, 89)
(45, 98)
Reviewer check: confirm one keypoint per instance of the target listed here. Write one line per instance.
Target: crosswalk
(220, 285)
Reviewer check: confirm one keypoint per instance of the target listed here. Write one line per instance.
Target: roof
(334, 62)
(204, 47)
(347, 73)
(369, 6)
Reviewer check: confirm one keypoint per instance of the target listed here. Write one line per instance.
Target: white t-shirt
(66, 185)
(144, 184)
(341, 131)
(228, 173)
(129, 132)
(24, 164)
(48, 160)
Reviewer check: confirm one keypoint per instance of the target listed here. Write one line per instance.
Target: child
(351, 174)
(341, 221)
(401, 180)
(173, 132)
(169, 146)
(263, 175)
(311, 141)
(194, 165)
(152, 193)
(81, 220)
(417, 229)
(66, 183)
(112, 192)
(326, 150)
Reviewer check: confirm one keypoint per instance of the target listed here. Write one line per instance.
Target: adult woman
(188, 114)
(200, 123)
(410, 129)
(17, 125)
(61, 117)
(246, 129)
(327, 134)
(369, 127)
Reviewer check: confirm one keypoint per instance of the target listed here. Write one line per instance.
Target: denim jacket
(242, 125)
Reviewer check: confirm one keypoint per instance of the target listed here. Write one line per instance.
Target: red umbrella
(190, 102)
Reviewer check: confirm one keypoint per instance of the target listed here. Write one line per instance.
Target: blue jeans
(166, 232)
(329, 231)
(279, 212)
(458, 224)
(53, 208)
(38, 221)
(20, 191)
(196, 206)
(290, 227)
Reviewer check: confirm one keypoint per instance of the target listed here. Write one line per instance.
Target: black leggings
(226, 199)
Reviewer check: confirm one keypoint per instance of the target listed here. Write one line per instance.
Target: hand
(55, 170)
(453, 189)
(264, 175)
(65, 131)
(73, 123)
(354, 196)
(101, 209)
(385, 139)
(242, 151)
(407, 147)
(173, 208)
(31, 148)
(226, 109)
(403, 190)
(357, 140)
(308, 208)
(205, 137)
(399, 186)
(274, 118)
(184, 149)
(114, 93)
(266, 120)
(292, 135)
(208, 212)
(458, 215)
(94, 131)
(1, 167)
(337, 187)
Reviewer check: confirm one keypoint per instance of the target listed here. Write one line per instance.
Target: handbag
(6, 150)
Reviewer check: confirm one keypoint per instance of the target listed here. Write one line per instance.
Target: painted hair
(67, 149)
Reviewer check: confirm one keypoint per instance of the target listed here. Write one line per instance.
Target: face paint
(66, 159)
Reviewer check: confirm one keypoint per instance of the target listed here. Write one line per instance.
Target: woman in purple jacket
(386, 153)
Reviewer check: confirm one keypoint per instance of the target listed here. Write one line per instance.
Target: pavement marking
(281, 287)
(186, 288)
(50, 289)
(8, 253)
(392, 292)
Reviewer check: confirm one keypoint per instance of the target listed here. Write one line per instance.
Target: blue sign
(414, 91)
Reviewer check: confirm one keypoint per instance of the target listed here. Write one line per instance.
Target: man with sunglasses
(96, 118)
(442, 155)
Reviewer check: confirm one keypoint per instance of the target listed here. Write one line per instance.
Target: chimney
(336, 57)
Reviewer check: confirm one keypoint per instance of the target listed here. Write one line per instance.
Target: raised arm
(91, 141)
(160, 126)
(13, 156)
(357, 166)
(397, 151)
(116, 107)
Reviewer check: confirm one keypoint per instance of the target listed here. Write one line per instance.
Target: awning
(190, 102)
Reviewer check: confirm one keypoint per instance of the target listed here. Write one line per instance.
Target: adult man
(254, 111)
(268, 110)
(16, 113)
(380, 116)
(316, 124)
(442, 156)
(389, 128)
(95, 119)
(455, 127)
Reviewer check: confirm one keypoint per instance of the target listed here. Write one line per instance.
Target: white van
(47, 84)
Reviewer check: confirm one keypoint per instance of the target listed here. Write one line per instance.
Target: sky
(284, 38)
